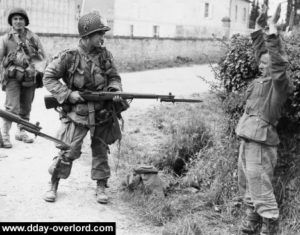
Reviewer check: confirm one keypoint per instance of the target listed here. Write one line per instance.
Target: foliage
(238, 66)
(187, 134)
(293, 51)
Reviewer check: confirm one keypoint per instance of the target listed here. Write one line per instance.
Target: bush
(293, 51)
(187, 135)
(238, 67)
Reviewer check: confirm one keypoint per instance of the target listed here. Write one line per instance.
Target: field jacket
(9, 44)
(83, 71)
(266, 96)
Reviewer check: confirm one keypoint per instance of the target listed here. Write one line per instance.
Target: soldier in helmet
(19, 50)
(88, 67)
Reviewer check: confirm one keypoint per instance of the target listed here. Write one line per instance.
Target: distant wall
(45, 16)
(134, 51)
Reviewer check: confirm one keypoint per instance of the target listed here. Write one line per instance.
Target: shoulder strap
(73, 67)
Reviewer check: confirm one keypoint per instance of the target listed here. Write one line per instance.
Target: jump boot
(50, 195)
(269, 226)
(101, 197)
(5, 134)
(252, 222)
(21, 135)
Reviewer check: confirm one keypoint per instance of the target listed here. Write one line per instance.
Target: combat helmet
(18, 11)
(90, 23)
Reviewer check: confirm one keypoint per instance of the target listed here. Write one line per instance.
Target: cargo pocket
(79, 78)
(254, 169)
(29, 78)
(11, 71)
(19, 74)
(66, 131)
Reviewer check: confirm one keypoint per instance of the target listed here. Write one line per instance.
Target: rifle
(51, 101)
(35, 129)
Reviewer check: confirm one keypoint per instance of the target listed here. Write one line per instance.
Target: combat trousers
(74, 135)
(18, 98)
(255, 173)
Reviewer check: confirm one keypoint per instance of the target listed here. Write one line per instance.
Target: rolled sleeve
(54, 72)
(258, 43)
(279, 62)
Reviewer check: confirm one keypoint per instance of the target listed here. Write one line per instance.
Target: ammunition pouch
(82, 109)
(60, 167)
(78, 78)
(29, 78)
(15, 72)
(25, 76)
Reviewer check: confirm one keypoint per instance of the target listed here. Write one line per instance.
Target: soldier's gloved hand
(75, 97)
(117, 98)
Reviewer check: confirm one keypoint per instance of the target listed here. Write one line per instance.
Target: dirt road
(24, 176)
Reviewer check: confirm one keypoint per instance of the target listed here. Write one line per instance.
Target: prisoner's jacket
(265, 95)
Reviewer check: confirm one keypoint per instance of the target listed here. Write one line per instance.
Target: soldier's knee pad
(61, 167)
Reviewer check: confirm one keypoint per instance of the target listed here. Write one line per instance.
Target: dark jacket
(265, 95)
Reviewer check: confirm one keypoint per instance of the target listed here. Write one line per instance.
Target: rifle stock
(51, 101)
(32, 128)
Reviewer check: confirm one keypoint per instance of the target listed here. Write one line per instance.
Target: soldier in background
(19, 50)
(266, 96)
(88, 67)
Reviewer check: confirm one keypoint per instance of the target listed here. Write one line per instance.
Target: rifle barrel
(34, 129)
(96, 96)
(181, 100)
(14, 118)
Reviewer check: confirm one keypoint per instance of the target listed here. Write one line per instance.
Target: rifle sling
(91, 108)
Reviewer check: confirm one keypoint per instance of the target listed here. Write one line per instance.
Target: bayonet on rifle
(51, 101)
(32, 128)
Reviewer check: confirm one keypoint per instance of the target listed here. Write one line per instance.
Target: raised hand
(75, 97)
(276, 15)
(274, 20)
(261, 21)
